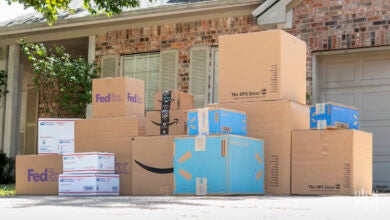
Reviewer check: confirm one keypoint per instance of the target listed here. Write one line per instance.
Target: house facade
(175, 46)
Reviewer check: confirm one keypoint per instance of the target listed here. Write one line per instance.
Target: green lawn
(7, 190)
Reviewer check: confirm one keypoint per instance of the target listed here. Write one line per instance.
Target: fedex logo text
(134, 98)
(47, 175)
(110, 97)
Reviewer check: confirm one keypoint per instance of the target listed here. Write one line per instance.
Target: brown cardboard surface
(117, 96)
(121, 147)
(180, 100)
(113, 127)
(273, 122)
(155, 152)
(38, 174)
(331, 162)
(266, 65)
(177, 121)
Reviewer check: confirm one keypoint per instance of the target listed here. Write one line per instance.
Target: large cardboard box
(173, 100)
(121, 146)
(118, 96)
(152, 165)
(89, 162)
(166, 122)
(333, 115)
(266, 65)
(38, 174)
(218, 165)
(273, 122)
(204, 121)
(331, 162)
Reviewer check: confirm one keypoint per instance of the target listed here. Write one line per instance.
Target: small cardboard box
(333, 115)
(38, 174)
(118, 96)
(88, 184)
(258, 66)
(206, 121)
(89, 162)
(331, 162)
(153, 165)
(173, 100)
(273, 122)
(218, 165)
(166, 122)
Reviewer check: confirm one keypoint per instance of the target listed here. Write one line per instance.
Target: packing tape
(203, 121)
(320, 108)
(321, 124)
(200, 143)
(201, 186)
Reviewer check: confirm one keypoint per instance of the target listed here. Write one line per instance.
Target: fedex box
(218, 165)
(118, 96)
(206, 121)
(88, 184)
(333, 115)
(257, 66)
(173, 100)
(331, 162)
(38, 174)
(89, 162)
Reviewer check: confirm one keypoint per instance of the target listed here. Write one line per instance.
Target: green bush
(7, 169)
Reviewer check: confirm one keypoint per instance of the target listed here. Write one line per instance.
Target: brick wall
(180, 35)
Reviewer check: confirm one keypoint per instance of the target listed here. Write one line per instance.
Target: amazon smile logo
(154, 169)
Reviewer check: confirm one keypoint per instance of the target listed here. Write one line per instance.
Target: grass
(7, 190)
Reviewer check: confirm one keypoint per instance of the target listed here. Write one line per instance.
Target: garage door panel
(338, 72)
(375, 105)
(373, 69)
(381, 138)
(338, 97)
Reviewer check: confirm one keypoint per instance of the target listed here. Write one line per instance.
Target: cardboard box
(89, 162)
(173, 100)
(88, 184)
(166, 122)
(120, 146)
(218, 165)
(206, 121)
(56, 135)
(153, 165)
(273, 122)
(38, 174)
(331, 162)
(115, 127)
(257, 66)
(333, 115)
(118, 96)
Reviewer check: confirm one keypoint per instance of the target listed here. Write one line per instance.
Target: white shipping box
(56, 135)
(88, 184)
(89, 162)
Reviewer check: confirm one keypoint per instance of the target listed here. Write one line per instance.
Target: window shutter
(214, 81)
(168, 69)
(30, 138)
(199, 75)
(109, 65)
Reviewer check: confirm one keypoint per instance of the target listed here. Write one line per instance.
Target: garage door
(362, 80)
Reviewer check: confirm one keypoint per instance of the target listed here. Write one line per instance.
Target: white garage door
(362, 80)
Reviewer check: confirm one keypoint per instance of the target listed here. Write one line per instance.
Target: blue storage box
(218, 165)
(333, 115)
(206, 121)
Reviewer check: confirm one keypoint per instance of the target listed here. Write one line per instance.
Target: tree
(51, 8)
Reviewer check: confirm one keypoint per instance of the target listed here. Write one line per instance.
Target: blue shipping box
(218, 165)
(205, 121)
(333, 115)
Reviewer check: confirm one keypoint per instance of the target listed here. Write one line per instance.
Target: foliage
(64, 83)
(3, 83)
(7, 190)
(7, 169)
(51, 9)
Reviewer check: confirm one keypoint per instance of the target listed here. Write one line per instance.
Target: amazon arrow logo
(154, 169)
(175, 121)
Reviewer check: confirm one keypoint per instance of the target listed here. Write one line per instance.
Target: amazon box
(152, 165)
(333, 115)
(166, 122)
(38, 174)
(173, 100)
(258, 66)
(117, 96)
(331, 162)
(273, 122)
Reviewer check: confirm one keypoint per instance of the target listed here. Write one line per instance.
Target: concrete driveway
(178, 207)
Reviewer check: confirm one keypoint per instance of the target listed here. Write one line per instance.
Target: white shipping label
(321, 124)
(201, 186)
(200, 143)
(320, 108)
(203, 121)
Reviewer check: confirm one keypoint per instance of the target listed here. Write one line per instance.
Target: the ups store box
(173, 100)
(152, 165)
(38, 174)
(117, 96)
(273, 121)
(331, 162)
(266, 65)
(166, 122)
